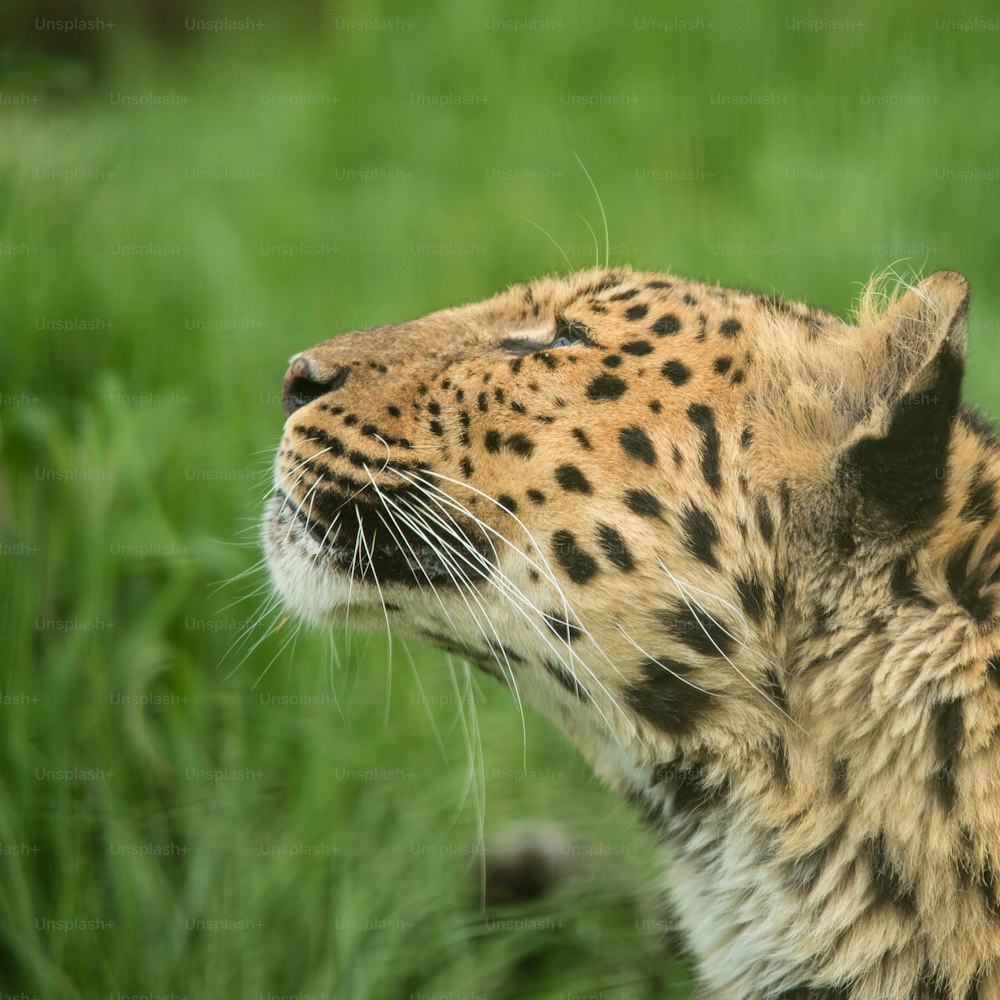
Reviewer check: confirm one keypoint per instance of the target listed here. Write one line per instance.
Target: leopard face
(557, 483)
(730, 543)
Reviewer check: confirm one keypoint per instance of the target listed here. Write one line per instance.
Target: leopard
(744, 552)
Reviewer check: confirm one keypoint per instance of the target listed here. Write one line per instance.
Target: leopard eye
(569, 332)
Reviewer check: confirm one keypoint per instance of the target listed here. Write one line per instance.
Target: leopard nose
(303, 383)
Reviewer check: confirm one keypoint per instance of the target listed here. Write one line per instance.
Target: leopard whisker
(400, 536)
(476, 775)
(459, 578)
(385, 611)
(600, 205)
(544, 567)
(273, 605)
(519, 601)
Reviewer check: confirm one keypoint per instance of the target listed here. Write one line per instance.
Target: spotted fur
(745, 553)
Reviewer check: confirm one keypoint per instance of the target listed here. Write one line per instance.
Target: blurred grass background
(189, 805)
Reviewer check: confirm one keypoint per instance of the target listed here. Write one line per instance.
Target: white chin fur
(308, 585)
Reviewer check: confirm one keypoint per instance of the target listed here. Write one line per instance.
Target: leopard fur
(745, 553)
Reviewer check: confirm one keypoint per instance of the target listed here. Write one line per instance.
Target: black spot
(332, 445)
(932, 987)
(467, 468)
(721, 365)
(566, 679)
(637, 348)
(436, 428)
(642, 502)
(516, 364)
(948, 721)
(636, 312)
(986, 882)
(903, 473)
(704, 419)
(806, 869)
(774, 690)
(393, 411)
(579, 565)
(482, 402)
(764, 523)
(611, 361)
(566, 630)
(572, 480)
(739, 376)
(840, 771)
(746, 437)
(493, 441)
(536, 496)
(517, 407)
(677, 456)
(903, 582)
(636, 443)
(753, 598)
(993, 668)
(887, 885)
(666, 325)
(614, 547)
(779, 592)
(689, 299)
(785, 493)
(507, 502)
(505, 654)
(980, 505)
(694, 792)
(667, 698)
(606, 387)
(730, 328)
(779, 761)
(629, 293)
(499, 395)
(698, 630)
(676, 371)
(700, 534)
(822, 614)
(658, 283)
(520, 445)
(967, 586)
(581, 436)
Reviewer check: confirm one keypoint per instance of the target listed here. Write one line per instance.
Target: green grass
(140, 411)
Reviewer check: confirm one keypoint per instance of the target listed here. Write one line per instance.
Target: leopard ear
(895, 460)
